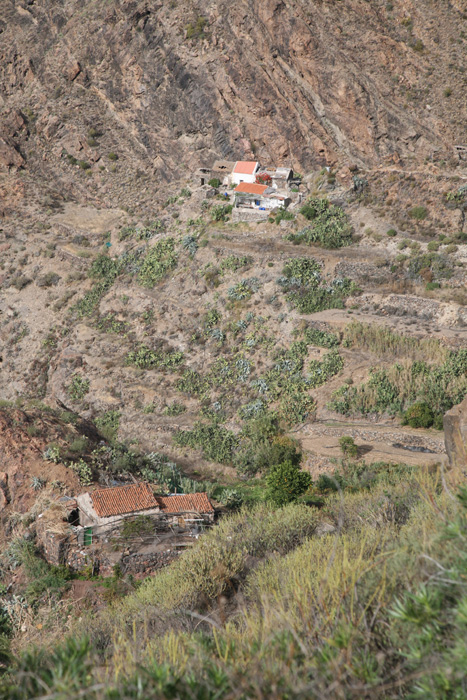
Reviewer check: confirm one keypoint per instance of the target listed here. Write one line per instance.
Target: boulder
(455, 435)
(9, 156)
(4, 500)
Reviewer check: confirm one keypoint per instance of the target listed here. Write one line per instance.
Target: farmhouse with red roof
(103, 509)
(244, 171)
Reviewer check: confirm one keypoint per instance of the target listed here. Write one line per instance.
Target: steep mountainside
(169, 85)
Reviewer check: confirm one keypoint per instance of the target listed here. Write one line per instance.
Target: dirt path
(377, 442)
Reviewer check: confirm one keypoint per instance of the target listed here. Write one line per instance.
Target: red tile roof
(251, 188)
(190, 502)
(119, 500)
(245, 167)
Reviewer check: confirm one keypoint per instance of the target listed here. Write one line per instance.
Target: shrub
(348, 446)
(214, 182)
(52, 454)
(322, 339)
(175, 409)
(112, 156)
(232, 263)
(286, 482)
(284, 215)
(108, 424)
(244, 289)
(418, 213)
(419, 415)
(391, 233)
(78, 387)
(218, 443)
(330, 227)
(145, 358)
(20, 282)
(439, 266)
(320, 371)
(84, 165)
(196, 30)
(157, 264)
(302, 282)
(231, 498)
(79, 444)
(82, 470)
(220, 212)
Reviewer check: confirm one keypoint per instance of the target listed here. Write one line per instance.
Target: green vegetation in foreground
(375, 608)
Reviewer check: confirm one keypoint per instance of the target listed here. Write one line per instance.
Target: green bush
(322, 339)
(175, 409)
(220, 212)
(348, 446)
(196, 30)
(284, 215)
(439, 266)
(145, 358)
(418, 213)
(330, 227)
(320, 371)
(112, 156)
(108, 424)
(419, 415)
(391, 233)
(395, 389)
(218, 443)
(83, 471)
(302, 282)
(78, 387)
(161, 259)
(214, 182)
(286, 482)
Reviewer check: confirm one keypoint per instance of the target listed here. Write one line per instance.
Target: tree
(348, 446)
(419, 415)
(286, 482)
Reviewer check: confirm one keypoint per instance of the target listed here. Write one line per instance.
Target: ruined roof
(251, 188)
(119, 500)
(245, 167)
(224, 166)
(190, 502)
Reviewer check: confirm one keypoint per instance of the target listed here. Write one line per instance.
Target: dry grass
(389, 345)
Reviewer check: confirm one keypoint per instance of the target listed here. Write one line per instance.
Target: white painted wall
(237, 178)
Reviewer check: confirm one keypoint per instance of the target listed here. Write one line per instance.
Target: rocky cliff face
(455, 436)
(169, 85)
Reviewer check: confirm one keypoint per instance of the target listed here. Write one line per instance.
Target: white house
(255, 196)
(244, 171)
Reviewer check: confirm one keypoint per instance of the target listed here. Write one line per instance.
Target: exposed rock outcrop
(455, 435)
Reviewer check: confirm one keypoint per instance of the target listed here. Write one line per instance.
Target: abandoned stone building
(126, 523)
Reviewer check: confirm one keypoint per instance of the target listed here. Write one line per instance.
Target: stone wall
(240, 214)
(455, 436)
(146, 563)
